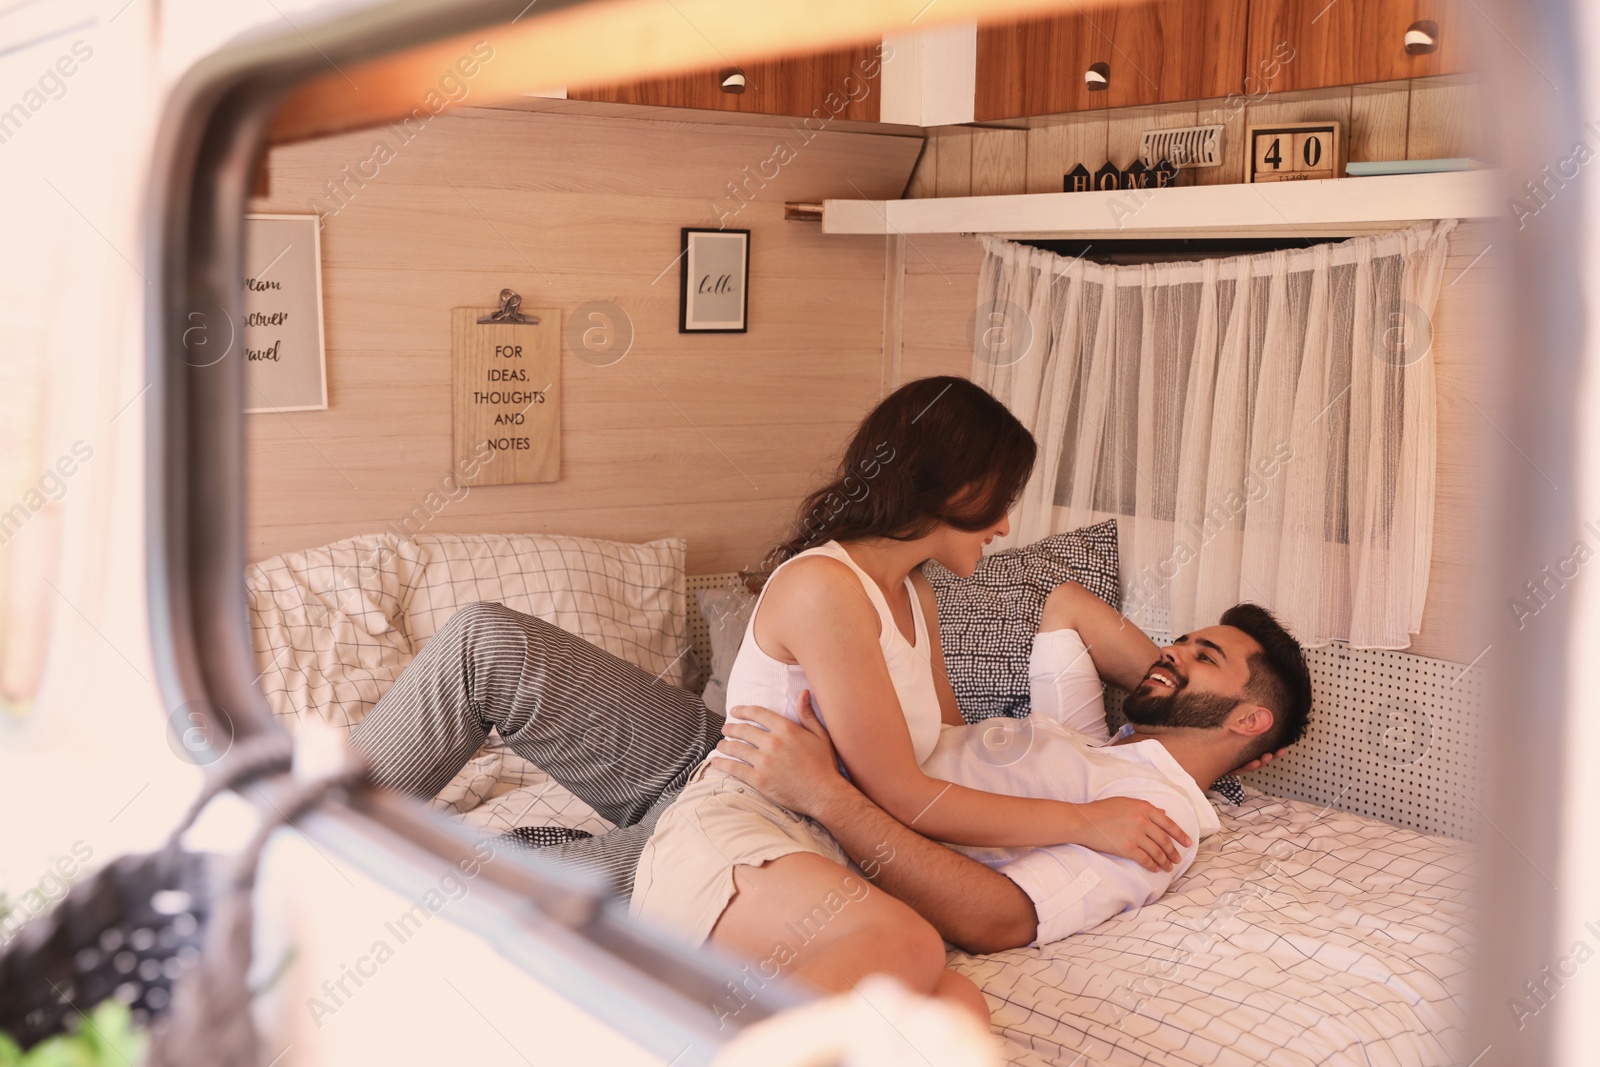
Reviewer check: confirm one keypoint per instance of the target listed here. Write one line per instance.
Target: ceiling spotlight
(732, 79)
(1097, 77)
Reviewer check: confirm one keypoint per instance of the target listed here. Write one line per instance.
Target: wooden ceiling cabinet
(842, 84)
(1154, 53)
(1350, 42)
(1178, 50)
(1145, 52)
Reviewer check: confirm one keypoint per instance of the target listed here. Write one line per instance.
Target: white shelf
(1340, 206)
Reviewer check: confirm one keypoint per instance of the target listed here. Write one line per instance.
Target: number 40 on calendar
(1295, 152)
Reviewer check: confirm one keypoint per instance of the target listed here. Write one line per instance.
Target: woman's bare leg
(961, 991)
(814, 919)
(804, 916)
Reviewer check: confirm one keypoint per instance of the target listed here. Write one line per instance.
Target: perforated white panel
(699, 632)
(1392, 736)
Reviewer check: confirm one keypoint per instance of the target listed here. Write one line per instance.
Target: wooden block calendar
(1294, 152)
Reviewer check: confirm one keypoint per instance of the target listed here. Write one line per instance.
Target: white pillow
(327, 626)
(334, 626)
(629, 599)
(727, 613)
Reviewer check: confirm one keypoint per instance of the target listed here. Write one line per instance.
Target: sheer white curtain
(1263, 426)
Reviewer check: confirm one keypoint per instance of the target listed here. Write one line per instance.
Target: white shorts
(685, 876)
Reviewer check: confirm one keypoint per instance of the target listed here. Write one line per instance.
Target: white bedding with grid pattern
(1301, 935)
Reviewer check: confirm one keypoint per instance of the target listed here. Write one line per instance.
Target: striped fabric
(619, 739)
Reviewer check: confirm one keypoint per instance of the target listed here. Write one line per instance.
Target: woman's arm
(816, 614)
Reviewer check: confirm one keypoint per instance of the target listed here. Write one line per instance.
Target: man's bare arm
(973, 907)
(1120, 650)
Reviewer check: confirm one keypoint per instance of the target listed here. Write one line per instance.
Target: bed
(1303, 933)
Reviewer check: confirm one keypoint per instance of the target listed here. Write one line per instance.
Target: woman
(846, 616)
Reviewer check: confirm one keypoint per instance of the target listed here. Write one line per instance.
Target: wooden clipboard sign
(506, 372)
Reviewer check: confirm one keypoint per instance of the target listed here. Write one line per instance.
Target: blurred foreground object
(880, 1023)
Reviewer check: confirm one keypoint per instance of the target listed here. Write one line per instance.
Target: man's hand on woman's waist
(792, 763)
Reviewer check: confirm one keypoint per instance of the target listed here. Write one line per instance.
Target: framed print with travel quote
(281, 335)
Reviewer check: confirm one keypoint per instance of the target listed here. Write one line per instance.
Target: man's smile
(1163, 675)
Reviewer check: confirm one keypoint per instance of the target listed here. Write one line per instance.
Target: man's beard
(1199, 711)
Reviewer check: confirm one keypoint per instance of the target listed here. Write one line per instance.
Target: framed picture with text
(715, 290)
(281, 336)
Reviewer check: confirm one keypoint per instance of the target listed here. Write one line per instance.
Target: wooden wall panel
(938, 302)
(999, 162)
(841, 84)
(1426, 118)
(952, 173)
(1379, 122)
(1055, 149)
(1446, 119)
(1466, 334)
(711, 437)
(1157, 53)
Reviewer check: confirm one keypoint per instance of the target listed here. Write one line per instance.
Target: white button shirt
(1061, 752)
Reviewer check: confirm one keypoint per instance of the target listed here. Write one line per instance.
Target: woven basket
(136, 930)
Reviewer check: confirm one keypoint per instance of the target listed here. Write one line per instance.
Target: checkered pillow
(335, 625)
(630, 599)
(987, 621)
(329, 632)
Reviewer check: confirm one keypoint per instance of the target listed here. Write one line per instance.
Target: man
(1214, 700)
(625, 742)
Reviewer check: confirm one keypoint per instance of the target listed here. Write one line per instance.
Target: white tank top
(756, 678)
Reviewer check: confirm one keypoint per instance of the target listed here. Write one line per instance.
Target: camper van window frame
(211, 139)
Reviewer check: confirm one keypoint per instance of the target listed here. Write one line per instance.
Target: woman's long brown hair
(936, 450)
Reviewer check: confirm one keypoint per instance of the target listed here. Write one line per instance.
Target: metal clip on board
(510, 312)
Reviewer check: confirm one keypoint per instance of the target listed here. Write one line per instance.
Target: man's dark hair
(1278, 678)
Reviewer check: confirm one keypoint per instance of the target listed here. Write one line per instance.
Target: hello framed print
(714, 294)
